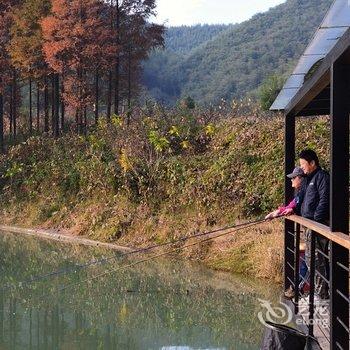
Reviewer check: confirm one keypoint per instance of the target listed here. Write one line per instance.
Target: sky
(188, 12)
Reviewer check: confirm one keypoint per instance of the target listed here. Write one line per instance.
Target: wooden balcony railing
(336, 276)
(338, 237)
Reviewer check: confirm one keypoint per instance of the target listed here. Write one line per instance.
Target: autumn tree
(77, 39)
(77, 45)
(26, 47)
(128, 17)
(120, 11)
(142, 37)
(6, 71)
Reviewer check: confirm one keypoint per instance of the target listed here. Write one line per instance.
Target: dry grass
(114, 187)
(257, 252)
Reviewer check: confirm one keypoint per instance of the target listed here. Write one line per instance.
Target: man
(315, 206)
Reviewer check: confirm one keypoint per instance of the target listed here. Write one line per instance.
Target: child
(297, 177)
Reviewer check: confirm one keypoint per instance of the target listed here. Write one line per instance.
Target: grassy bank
(168, 174)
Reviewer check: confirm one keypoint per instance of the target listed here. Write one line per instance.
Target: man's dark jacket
(315, 205)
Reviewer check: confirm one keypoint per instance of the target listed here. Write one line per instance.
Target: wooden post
(288, 190)
(339, 203)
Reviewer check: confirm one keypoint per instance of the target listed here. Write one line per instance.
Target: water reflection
(163, 305)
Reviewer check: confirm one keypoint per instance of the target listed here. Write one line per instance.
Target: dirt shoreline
(63, 237)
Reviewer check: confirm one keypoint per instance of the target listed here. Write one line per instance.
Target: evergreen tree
(269, 91)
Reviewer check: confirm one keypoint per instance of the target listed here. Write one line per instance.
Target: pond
(162, 304)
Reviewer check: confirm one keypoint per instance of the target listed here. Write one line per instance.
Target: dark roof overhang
(313, 98)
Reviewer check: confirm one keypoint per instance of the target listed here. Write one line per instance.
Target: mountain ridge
(236, 60)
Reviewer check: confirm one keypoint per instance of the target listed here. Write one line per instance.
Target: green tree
(188, 102)
(269, 91)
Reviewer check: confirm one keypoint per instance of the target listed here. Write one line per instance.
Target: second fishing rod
(102, 261)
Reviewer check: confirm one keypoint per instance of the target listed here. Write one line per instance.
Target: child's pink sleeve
(291, 205)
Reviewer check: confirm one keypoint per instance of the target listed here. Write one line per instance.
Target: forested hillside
(160, 70)
(184, 38)
(213, 62)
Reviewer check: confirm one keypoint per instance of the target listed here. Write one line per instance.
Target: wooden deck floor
(321, 323)
(321, 328)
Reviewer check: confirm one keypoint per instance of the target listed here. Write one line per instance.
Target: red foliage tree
(77, 39)
(6, 20)
(6, 70)
(25, 47)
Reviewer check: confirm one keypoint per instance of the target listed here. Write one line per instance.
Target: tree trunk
(96, 96)
(62, 107)
(11, 112)
(52, 100)
(14, 104)
(2, 145)
(80, 116)
(30, 107)
(46, 105)
(77, 128)
(38, 106)
(56, 102)
(117, 67)
(80, 108)
(109, 96)
(110, 73)
(116, 87)
(85, 121)
(129, 88)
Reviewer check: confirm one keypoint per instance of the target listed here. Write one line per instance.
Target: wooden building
(320, 85)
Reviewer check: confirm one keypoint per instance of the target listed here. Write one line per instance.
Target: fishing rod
(136, 251)
(237, 228)
(120, 268)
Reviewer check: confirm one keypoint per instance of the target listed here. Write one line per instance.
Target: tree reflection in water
(165, 304)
